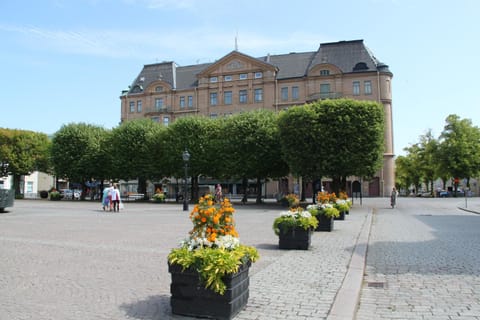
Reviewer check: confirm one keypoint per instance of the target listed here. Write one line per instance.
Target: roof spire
(236, 42)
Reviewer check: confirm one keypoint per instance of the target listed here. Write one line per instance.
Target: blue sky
(67, 61)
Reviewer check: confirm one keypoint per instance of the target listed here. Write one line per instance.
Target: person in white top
(115, 198)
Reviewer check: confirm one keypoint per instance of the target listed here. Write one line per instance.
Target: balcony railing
(155, 109)
(324, 95)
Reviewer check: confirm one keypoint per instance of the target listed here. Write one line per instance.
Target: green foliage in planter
(213, 263)
(294, 218)
(159, 197)
(326, 209)
(54, 195)
(342, 206)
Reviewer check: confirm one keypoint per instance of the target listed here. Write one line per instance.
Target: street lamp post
(186, 158)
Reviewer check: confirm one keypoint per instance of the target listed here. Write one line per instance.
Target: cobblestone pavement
(423, 261)
(70, 260)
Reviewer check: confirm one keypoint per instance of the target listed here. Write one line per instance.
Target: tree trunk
(16, 183)
(194, 190)
(245, 186)
(259, 191)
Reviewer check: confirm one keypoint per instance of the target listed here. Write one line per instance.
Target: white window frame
(258, 95)
(356, 88)
(367, 87)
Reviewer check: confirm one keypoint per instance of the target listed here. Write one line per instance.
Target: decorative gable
(233, 63)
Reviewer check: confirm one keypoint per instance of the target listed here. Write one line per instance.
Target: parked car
(446, 194)
(70, 194)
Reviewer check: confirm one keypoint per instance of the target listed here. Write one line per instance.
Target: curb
(345, 305)
(468, 210)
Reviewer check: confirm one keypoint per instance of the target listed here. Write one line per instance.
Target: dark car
(446, 194)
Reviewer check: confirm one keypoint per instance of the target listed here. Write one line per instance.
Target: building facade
(238, 82)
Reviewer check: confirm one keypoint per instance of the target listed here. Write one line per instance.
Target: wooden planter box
(191, 298)
(297, 239)
(324, 223)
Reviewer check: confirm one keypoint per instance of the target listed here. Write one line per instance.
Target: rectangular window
(324, 90)
(368, 87)
(356, 88)
(190, 101)
(213, 115)
(258, 95)
(284, 93)
(156, 119)
(158, 104)
(29, 186)
(182, 102)
(294, 93)
(213, 99)
(258, 75)
(324, 72)
(213, 79)
(227, 78)
(227, 97)
(139, 106)
(243, 76)
(132, 106)
(166, 121)
(243, 96)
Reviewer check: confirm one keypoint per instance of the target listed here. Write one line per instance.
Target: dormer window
(158, 89)
(213, 79)
(360, 66)
(325, 72)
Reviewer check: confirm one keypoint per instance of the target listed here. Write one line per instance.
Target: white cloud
(185, 47)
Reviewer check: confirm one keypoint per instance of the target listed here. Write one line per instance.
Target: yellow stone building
(238, 82)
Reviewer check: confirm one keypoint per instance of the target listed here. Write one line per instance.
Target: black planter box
(341, 216)
(324, 223)
(191, 298)
(297, 239)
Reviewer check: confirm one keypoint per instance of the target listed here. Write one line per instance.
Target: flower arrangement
(291, 200)
(342, 205)
(159, 197)
(326, 197)
(326, 209)
(295, 217)
(213, 247)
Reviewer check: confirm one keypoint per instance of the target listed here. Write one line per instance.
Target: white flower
(305, 214)
(227, 242)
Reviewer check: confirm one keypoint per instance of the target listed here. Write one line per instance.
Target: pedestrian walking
(218, 193)
(115, 198)
(106, 198)
(393, 197)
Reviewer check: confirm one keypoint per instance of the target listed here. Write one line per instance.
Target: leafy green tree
(301, 142)
(352, 135)
(130, 146)
(198, 135)
(427, 158)
(408, 168)
(251, 144)
(25, 152)
(78, 153)
(459, 144)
